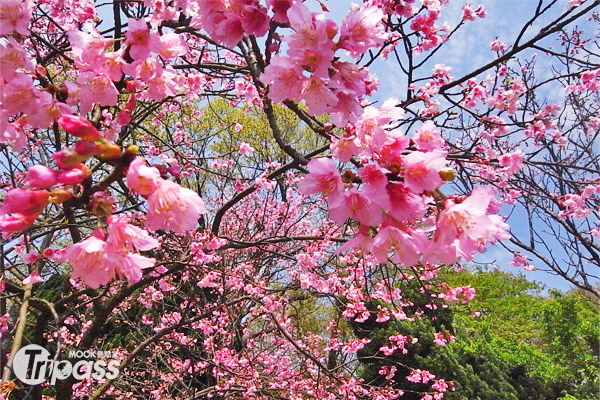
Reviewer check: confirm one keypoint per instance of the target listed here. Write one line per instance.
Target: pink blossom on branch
(422, 170)
(323, 177)
(14, 16)
(88, 259)
(142, 179)
(33, 278)
(78, 126)
(40, 177)
(464, 228)
(140, 40)
(173, 207)
(20, 208)
(362, 30)
(98, 261)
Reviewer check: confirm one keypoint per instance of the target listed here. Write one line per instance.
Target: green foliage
(555, 337)
(523, 346)
(220, 119)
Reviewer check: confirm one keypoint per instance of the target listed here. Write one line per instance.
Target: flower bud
(67, 158)
(448, 174)
(79, 126)
(59, 195)
(109, 151)
(16, 223)
(132, 149)
(86, 148)
(24, 201)
(40, 177)
(74, 176)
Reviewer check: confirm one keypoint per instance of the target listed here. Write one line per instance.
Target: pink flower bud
(79, 126)
(40, 177)
(86, 148)
(67, 158)
(27, 202)
(15, 223)
(73, 176)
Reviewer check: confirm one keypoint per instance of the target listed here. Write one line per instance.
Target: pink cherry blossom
(33, 278)
(173, 207)
(125, 237)
(285, 78)
(512, 161)
(144, 69)
(497, 45)
(421, 170)
(404, 204)
(356, 205)
(20, 95)
(49, 109)
(280, 8)
(129, 265)
(406, 247)
(323, 177)
(346, 110)
(255, 20)
(88, 259)
(227, 28)
(418, 375)
(140, 40)
(355, 345)
(14, 16)
(344, 148)
(98, 261)
(172, 45)
(465, 228)
(13, 58)
(20, 209)
(315, 60)
(373, 175)
(78, 126)
(349, 77)
(443, 338)
(15, 223)
(162, 85)
(428, 138)
(142, 179)
(311, 31)
(318, 96)
(362, 30)
(88, 49)
(73, 176)
(361, 241)
(245, 148)
(96, 89)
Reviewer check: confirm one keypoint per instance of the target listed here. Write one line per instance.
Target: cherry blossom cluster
(394, 193)
(100, 258)
(311, 71)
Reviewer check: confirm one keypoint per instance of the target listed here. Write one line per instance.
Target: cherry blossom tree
(181, 178)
